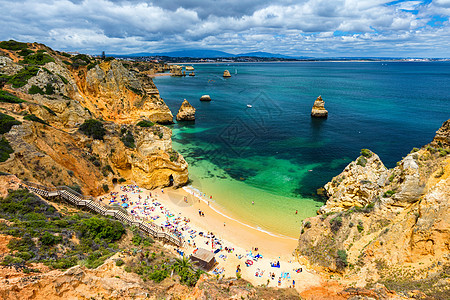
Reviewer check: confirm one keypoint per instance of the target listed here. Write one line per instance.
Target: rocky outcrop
(442, 138)
(359, 184)
(59, 154)
(226, 74)
(318, 110)
(205, 98)
(383, 222)
(186, 112)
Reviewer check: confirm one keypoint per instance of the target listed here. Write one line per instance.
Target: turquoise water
(277, 156)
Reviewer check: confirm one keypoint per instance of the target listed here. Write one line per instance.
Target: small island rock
(226, 73)
(318, 110)
(205, 98)
(186, 112)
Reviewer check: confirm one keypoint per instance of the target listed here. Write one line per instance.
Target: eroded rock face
(442, 138)
(401, 220)
(186, 112)
(358, 185)
(318, 110)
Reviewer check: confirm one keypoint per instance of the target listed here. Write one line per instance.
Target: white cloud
(291, 27)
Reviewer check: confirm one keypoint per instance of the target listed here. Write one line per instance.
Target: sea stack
(186, 112)
(318, 110)
(226, 73)
(205, 98)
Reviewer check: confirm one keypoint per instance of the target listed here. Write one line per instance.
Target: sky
(313, 28)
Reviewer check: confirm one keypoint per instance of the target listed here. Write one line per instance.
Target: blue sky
(318, 28)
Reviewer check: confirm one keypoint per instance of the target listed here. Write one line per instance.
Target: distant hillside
(202, 53)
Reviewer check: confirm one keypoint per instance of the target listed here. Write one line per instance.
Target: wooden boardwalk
(77, 199)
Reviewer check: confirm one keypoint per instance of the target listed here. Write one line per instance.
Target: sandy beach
(235, 243)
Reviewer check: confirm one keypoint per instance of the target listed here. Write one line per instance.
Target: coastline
(233, 233)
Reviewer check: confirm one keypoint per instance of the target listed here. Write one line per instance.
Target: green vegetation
(366, 153)
(128, 140)
(91, 65)
(105, 188)
(414, 150)
(25, 52)
(13, 45)
(93, 128)
(44, 235)
(389, 193)
(360, 226)
(38, 58)
(173, 155)
(5, 149)
(336, 223)
(134, 90)
(6, 122)
(63, 79)
(34, 89)
(307, 224)
(341, 259)
(362, 161)
(50, 111)
(121, 180)
(7, 97)
(145, 123)
(22, 77)
(35, 119)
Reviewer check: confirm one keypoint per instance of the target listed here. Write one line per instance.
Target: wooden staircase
(77, 199)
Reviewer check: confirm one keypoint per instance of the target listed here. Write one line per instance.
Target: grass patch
(9, 98)
(5, 149)
(6, 122)
(34, 89)
(335, 224)
(362, 161)
(389, 193)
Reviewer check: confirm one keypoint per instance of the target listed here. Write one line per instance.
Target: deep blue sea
(274, 153)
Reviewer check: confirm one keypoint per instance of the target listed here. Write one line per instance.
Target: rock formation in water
(318, 110)
(387, 226)
(205, 98)
(186, 112)
(52, 94)
(226, 73)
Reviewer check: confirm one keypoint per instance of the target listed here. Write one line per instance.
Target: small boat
(249, 106)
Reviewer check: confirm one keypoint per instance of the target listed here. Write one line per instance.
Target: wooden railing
(77, 199)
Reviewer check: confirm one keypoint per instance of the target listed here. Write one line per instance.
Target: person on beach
(293, 283)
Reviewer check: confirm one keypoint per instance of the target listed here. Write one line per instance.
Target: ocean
(263, 164)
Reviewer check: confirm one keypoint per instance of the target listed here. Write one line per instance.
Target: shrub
(121, 180)
(366, 153)
(101, 228)
(49, 239)
(76, 188)
(173, 155)
(128, 140)
(391, 177)
(93, 128)
(37, 59)
(336, 223)
(13, 45)
(307, 224)
(6, 122)
(341, 259)
(119, 262)
(360, 226)
(362, 161)
(35, 119)
(49, 89)
(414, 150)
(63, 79)
(105, 188)
(91, 65)
(22, 77)
(9, 98)
(145, 123)
(389, 193)
(25, 52)
(34, 89)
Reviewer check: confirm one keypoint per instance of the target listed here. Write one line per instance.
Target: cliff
(386, 226)
(186, 112)
(52, 94)
(318, 109)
